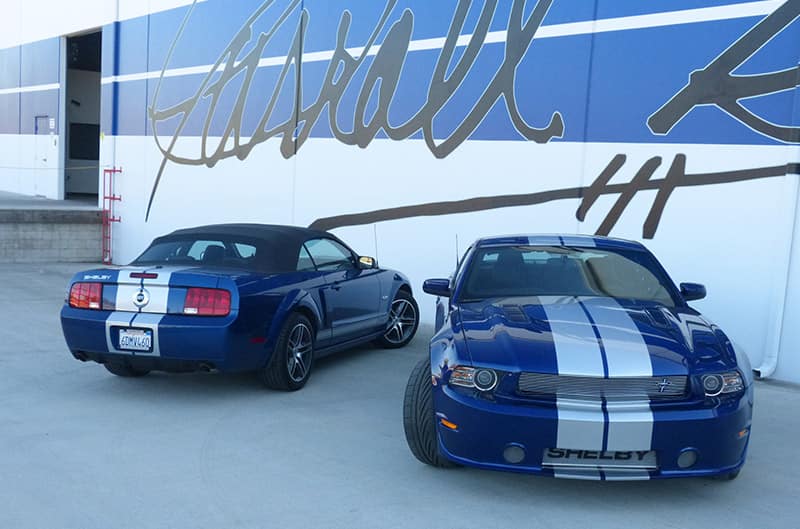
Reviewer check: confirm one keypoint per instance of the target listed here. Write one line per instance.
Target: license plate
(634, 459)
(136, 340)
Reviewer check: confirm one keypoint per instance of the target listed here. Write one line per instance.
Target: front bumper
(180, 343)
(717, 431)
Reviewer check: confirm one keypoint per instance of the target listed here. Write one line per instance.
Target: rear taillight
(86, 296)
(207, 302)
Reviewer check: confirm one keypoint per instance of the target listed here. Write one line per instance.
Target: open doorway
(82, 117)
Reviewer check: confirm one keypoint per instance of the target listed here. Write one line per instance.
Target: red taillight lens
(207, 302)
(86, 296)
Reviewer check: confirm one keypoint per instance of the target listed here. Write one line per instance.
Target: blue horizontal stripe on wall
(633, 74)
(213, 24)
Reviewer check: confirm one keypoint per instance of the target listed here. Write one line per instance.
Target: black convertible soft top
(278, 246)
(291, 236)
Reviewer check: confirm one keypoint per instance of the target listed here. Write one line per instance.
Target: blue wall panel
(9, 67)
(35, 104)
(40, 62)
(9, 113)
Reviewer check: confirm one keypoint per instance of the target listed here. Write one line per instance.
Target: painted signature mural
(385, 70)
(712, 85)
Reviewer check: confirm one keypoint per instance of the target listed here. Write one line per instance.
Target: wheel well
(405, 288)
(305, 311)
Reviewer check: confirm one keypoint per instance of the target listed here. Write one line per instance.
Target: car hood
(589, 336)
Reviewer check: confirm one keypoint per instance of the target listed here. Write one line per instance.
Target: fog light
(687, 458)
(514, 454)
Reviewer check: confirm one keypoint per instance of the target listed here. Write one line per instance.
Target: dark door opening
(82, 153)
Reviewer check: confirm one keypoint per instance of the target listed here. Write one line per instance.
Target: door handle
(336, 286)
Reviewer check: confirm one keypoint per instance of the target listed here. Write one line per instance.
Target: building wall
(655, 121)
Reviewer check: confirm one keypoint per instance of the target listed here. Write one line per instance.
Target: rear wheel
(122, 369)
(291, 362)
(403, 321)
(419, 420)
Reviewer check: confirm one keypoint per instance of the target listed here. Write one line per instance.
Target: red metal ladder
(109, 198)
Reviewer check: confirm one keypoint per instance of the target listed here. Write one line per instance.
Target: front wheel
(290, 365)
(419, 420)
(403, 321)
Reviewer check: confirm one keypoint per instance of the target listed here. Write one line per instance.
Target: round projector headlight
(485, 379)
(713, 385)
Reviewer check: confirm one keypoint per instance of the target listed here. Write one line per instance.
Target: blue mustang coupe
(576, 357)
(235, 298)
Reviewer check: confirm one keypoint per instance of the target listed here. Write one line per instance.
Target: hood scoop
(515, 313)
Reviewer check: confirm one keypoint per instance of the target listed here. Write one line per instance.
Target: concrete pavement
(81, 448)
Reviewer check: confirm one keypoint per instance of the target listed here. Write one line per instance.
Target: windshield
(508, 271)
(213, 251)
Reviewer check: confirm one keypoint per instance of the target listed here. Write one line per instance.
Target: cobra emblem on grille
(663, 385)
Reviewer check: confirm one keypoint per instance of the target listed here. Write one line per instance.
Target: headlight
(469, 377)
(723, 383)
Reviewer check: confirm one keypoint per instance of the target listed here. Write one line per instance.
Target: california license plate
(634, 459)
(136, 340)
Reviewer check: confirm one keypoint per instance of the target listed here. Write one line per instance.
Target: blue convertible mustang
(576, 357)
(234, 298)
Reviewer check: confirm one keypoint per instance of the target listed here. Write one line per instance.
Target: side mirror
(692, 291)
(366, 263)
(437, 287)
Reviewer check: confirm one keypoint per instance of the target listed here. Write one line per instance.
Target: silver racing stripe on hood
(577, 350)
(630, 424)
(581, 424)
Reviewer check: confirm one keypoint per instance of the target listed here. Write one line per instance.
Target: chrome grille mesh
(594, 388)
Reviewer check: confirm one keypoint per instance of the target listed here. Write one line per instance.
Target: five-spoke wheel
(403, 321)
(290, 364)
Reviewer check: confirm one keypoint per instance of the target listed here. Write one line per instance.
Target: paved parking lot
(81, 448)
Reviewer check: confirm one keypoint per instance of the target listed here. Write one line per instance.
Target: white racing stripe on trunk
(157, 290)
(630, 424)
(580, 423)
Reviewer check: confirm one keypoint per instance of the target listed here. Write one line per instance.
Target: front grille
(594, 388)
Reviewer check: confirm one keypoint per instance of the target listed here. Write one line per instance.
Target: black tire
(122, 369)
(730, 476)
(289, 368)
(399, 334)
(419, 420)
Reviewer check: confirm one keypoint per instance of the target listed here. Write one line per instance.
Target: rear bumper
(180, 343)
(486, 429)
